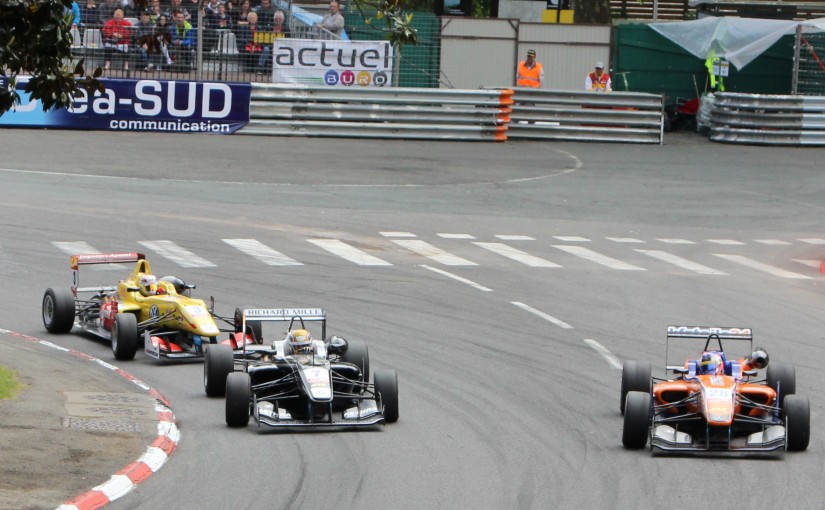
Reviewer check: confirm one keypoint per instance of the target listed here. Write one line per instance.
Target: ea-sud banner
(143, 105)
(332, 63)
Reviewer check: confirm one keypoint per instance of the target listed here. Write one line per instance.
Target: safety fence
(403, 113)
(587, 116)
(768, 119)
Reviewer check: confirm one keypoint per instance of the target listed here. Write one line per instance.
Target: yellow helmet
(300, 340)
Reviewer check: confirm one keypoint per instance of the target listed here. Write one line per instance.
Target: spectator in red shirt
(116, 34)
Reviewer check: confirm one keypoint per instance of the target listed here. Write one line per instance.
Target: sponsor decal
(154, 312)
(197, 311)
(283, 313)
(354, 412)
(333, 63)
(706, 331)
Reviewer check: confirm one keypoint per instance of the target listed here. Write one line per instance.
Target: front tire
(218, 363)
(797, 414)
(58, 310)
(636, 420)
(358, 354)
(253, 328)
(635, 377)
(782, 378)
(238, 391)
(125, 336)
(386, 385)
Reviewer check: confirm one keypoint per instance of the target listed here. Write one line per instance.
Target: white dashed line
(813, 241)
(262, 252)
(610, 358)
(675, 241)
(397, 234)
(425, 249)
(624, 240)
(457, 278)
(680, 262)
(810, 263)
(772, 242)
(598, 258)
(456, 236)
(745, 261)
(726, 242)
(514, 237)
(572, 239)
(558, 322)
(517, 255)
(347, 252)
(177, 254)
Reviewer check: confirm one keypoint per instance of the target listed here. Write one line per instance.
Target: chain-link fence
(217, 54)
(809, 63)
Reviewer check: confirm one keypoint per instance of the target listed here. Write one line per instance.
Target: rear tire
(358, 354)
(218, 363)
(386, 385)
(58, 310)
(125, 336)
(797, 414)
(636, 420)
(782, 378)
(238, 391)
(635, 377)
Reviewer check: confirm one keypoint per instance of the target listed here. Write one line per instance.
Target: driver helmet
(177, 283)
(148, 284)
(711, 363)
(759, 358)
(300, 340)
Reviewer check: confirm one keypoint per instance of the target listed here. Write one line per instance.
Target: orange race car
(715, 401)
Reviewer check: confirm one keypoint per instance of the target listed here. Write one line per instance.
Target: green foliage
(481, 8)
(397, 23)
(35, 40)
(9, 385)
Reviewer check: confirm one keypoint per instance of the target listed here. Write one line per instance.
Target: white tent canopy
(737, 40)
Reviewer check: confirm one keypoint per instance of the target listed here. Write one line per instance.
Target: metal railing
(587, 116)
(768, 119)
(403, 113)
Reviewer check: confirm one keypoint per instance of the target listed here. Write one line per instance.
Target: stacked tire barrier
(768, 119)
(587, 116)
(358, 112)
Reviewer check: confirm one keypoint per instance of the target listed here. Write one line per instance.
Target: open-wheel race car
(715, 401)
(160, 312)
(296, 380)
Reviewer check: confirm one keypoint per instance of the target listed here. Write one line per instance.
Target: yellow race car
(172, 324)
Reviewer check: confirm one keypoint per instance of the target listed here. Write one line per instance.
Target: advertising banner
(333, 63)
(143, 105)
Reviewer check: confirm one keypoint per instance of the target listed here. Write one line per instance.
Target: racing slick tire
(386, 385)
(358, 354)
(636, 420)
(238, 390)
(782, 378)
(254, 328)
(125, 336)
(218, 363)
(58, 310)
(635, 377)
(797, 416)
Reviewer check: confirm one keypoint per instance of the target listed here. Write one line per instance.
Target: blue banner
(143, 105)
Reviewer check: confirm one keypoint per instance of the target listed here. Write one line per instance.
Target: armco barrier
(404, 113)
(768, 119)
(586, 116)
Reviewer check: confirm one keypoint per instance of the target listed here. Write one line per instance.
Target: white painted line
(572, 239)
(775, 271)
(437, 254)
(558, 322)
(772, 242)
(514, 237)
(176, 254)
(456, 236)
(348, 252)
(813, 241)
(84, 248)
(262, 252)
(624, 240)
(397, 234)
(675, 241)
(517, 255)
(610, 358)
(457, 278)
(680, 262)
(810, 263)
(598, 258)
(727, 242)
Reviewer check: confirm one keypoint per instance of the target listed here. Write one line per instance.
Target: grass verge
(9, 385)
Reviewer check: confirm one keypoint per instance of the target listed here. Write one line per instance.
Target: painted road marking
(598, 258)
(772, 242)
(431, 252)
(456, 236)
(610, 358)
(775, 271)
(675, 241)
(177, 254)
(572, 239)
(514, 237)
(517, 255)
(813, 241)
(810, 263)
(397, 234)
(727, 242)
(348, 252)
(457, 278)
(680, 262)
(624, 240)
(558, 322)
(262, 252)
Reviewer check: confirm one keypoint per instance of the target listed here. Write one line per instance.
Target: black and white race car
(297, 381)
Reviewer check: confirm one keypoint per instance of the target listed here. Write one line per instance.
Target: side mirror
(337, 345)
(750, 373)
(211, 303)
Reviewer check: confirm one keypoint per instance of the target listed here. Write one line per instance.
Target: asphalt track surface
(507, 372)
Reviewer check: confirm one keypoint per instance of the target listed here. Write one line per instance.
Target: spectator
(266, 13)
(116, 34)
(598, 80)
(279, 28)
(530, 72)
(231, 11)
(90, 15)
(75, 12)
(255, 51)
(333, 22)
(156, 11)
(159, 45)
(177, 5)
(183, 40)
(144, 32)
(212, 7)
(219, 20)
(108, 8)
(245, 7)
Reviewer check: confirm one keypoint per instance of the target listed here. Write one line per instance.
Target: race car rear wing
(75, 261)
(723, 333)
(300, 315)
(712, 337)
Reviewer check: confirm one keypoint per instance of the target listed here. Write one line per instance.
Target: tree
(397, 24)
(36, 40)
(592, 11)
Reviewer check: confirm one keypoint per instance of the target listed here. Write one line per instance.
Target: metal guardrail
(768, 119)
(587, 116)
(404, 113)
